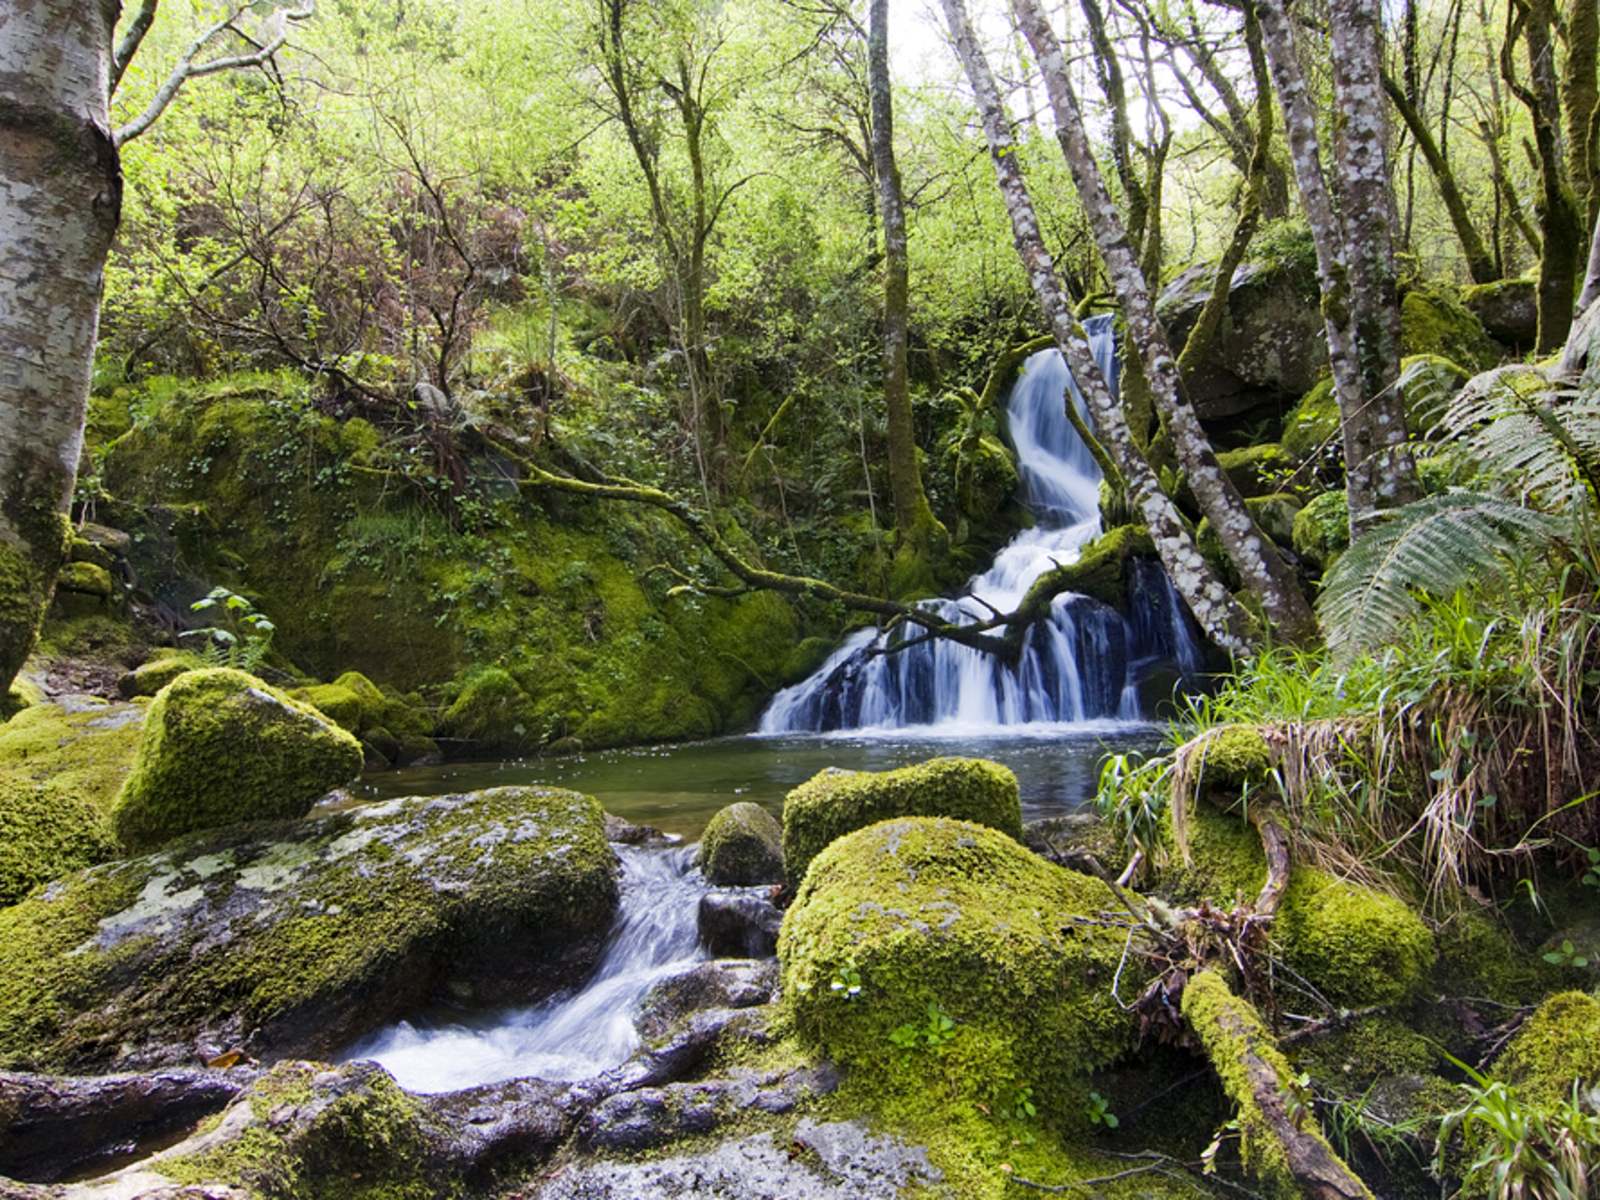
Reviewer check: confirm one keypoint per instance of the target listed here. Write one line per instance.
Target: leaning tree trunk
(1262, 568)
(914, 520)
(1368, 443)
(1219, 614)
(60, 197)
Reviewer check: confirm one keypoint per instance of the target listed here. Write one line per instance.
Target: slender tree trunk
(1366, 208)
(913, 519)
(1591, 277)
(1580, 101)
(1378, 470)
(60, 198)
(1219, 614)
(1262, 568)
(1480, 263)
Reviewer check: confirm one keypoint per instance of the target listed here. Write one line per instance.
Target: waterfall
(1083, 663)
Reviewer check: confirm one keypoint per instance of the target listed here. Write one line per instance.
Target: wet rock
(838, 1160)
(648, 1117)
(740, 923)
(722, 983)
(294, 938)
(1080, 841)
(742, 846)
(52, 1126)
(626, 833)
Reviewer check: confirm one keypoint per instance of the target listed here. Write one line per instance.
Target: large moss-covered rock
(1507, 308)
(60, 769)
(1434, 321)
(910, 918)
(742, 846)
(1357, 945)
(1262, 470)
(1557, 1047)
(835, 802)
(492, 712)
(221, 747)
(150, 677)
(1271, 346)
(394, 729)
(290, 939)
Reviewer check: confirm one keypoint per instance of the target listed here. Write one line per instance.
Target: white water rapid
(1083, 664)
(572, 1035)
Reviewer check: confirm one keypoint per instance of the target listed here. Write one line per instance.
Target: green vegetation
(835, 802)
(742, 845)
(221, 747)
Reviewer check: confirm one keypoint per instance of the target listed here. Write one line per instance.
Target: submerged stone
(294, 938)
(221, 747)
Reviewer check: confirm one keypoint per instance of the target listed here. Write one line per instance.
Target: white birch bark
(60, 197)
(1219, 614)
(1361, 444)
(1260, 565)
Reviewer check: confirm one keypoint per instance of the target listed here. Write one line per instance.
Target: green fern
(1541, 442)
(1436, 546)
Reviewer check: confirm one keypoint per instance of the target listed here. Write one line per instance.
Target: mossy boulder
(1557, 1047)
(1312, 426)
(492, 713)
(923, 918)
(1262, 470)
(149, 678)
(292, 938)
(835, 802)
(805, 660)
(85, 579)
(1357, 945)
(1433, 320)
(1508, 310)
(46, 831)
(742, 846)
(397, 728)
(221, 747)
(1322, 529)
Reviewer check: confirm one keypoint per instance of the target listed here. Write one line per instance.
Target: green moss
(1312, 425)
(805, 660)
(833, 803)
(1100, 570)
(46, 831)
(1226, 864)
(83, 550)
(1322, 529)
(1356, 945)
(1365, 1050)
(1258, 470)
(1232, 1033)
(149, 678)
(742, 845)
(26, 581)
(221, 747)
(339, 704)
(310, 930)
(492, 712)
(1232, 758)
(85, 579)
(86, 753)
(1434, 321)
(1559, 1045)
(925, 911)
(354, 1136)
(1477, 957)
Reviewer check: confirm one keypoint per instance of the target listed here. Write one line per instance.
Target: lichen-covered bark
(914, 520)
(1219, 614)
(1379, 471)
(1260, 565)
(1365, 207)
(60, 197)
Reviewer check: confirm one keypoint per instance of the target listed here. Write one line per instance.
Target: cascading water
(573, 1035)
(1083, 663)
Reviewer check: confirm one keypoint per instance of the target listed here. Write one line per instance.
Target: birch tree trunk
(60, 198)
(1261, 567)
(1219, 614)
(914, 521)
(1371, 448)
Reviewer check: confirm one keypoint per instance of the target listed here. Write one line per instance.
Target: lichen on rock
(834, 802)
(293, 938)
(221, 747)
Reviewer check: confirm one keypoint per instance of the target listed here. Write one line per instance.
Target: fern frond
(1542, 440)
(1436, 546)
